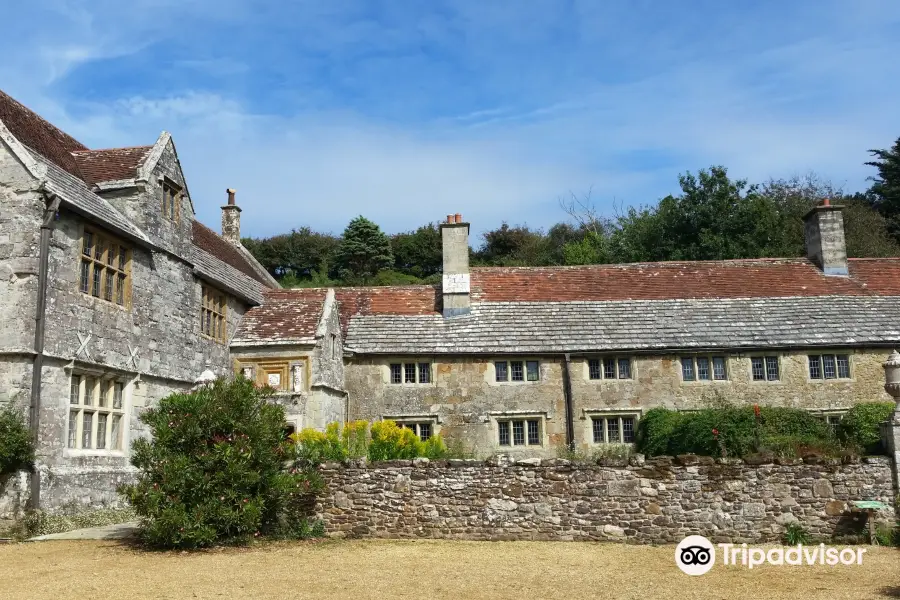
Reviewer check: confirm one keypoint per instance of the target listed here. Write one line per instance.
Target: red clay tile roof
(38, 134)
(395, 300)
(756, 278)
(286, 315)
(879, 276)
(111, 164)
(210, 241)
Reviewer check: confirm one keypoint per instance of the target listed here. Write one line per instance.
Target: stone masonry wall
(464, 398)
(653, 501)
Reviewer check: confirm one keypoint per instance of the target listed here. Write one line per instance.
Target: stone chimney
(455, 282)
(825, 243)
(231, 220)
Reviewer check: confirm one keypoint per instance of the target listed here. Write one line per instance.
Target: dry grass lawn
(418, 569)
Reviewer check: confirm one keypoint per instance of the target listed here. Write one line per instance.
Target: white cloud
(516, 107)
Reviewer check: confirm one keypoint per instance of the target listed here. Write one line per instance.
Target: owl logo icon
(695, 555)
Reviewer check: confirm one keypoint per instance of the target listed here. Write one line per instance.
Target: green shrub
(795, 534)
(887, 534)
(216, 469)
(860, 426)
(388, 441)
(16, 446)
(733, 431)
(392, 442)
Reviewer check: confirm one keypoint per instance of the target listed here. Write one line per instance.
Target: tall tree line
(713, 217)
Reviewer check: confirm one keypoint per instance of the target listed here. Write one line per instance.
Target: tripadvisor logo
(696, 555)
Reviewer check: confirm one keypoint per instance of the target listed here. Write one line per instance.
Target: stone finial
(207, 377)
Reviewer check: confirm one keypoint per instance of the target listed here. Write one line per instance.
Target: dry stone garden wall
(657, 500)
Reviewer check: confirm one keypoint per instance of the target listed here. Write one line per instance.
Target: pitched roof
(208, 240)
(111, 164)
(753, 278)
(649, 306)
(286, 316)
(634, 325)
(76, 193)
(39, 134)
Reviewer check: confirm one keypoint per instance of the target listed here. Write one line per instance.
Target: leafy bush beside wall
(860, 426)
(386, 441)
(740, 431)
(218, 469)
(16, 446)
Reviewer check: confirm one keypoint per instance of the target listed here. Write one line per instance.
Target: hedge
(860, 426)
(740, 431)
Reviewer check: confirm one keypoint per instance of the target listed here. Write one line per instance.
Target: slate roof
(743, 304)
(224, 275)
(112, 164)
(75, 192)
(208, 240)
(634, 325)
(286, 316)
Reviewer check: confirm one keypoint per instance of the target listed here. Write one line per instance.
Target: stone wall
(653, 501)
(464, 399)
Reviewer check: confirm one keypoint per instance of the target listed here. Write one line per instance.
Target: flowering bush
(217, 469)
(388, 441)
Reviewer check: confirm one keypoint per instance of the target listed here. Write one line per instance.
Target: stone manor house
(118, 296)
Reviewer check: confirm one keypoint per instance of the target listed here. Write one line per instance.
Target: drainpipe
(34, 499)
(567, 395)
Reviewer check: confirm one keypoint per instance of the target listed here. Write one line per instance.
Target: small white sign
(456, 283)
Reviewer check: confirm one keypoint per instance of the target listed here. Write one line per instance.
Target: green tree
(885, 190)
(418, 253)
(296, 255)
(363, 251)
(512, 246)
(713, 218)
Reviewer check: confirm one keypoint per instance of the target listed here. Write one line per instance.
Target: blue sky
(405, 111)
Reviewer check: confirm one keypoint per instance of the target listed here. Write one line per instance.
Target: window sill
(104, 302)
(705, 382)
(74, 453)
(410, 385)
(834, 380)
(212, 339)
(611, 380)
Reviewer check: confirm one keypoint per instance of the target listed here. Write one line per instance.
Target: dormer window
(171, 200)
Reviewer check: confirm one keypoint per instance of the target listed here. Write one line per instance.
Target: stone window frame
(510, 417)
(821, 355)
(525, 361)
(109, 265)
(591, 414)
(765, 356)
(388, 373)
(285, 368)
(415, 422)
(213, 313)
(110, 397)
(172, 194)
(602, 370)
(710, 365)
